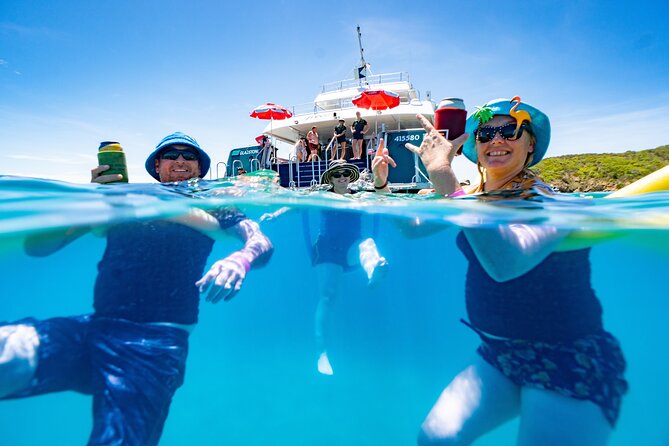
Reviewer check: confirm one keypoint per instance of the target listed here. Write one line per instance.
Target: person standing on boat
(301, 150)
(340, 135)
(312, 140)
(545, 355)
(130, 353)
(339, 249)
(359, 129)
(266, 153)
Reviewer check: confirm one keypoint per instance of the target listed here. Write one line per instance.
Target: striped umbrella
(270, 111)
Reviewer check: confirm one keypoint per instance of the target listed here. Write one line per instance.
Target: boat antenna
(362, 51)
(361, 70)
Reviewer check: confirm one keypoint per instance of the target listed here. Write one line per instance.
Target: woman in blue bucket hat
(545, 356)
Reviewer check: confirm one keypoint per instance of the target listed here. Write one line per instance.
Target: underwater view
(253, 373)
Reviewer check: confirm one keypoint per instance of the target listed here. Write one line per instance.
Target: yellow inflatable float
(655, 182)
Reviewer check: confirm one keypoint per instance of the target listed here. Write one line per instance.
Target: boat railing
(365, 82)
(310, 108)
(236, 165)
(315, 165)
(332, 145)
(253, 162)
(225, 170)
(293, 160)
(418, 173)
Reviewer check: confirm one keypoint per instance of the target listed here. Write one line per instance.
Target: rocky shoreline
(601, 172)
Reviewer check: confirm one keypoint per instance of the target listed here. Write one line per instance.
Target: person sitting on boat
(340, 135)
(301, 150)
(312, 140)
(339, 249)
(130, 353)
(545, 355)
(359, 129)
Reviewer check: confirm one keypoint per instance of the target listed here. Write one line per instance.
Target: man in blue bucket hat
(130, 354)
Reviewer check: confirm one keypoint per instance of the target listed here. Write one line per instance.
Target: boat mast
(362, 51)
(361, 70)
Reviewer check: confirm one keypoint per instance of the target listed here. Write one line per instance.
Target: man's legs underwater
(18, 357)
(38, 357)
(138, 367)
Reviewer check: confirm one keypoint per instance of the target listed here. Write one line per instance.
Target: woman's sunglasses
(506, 131)
(345, 173)
(172, 155)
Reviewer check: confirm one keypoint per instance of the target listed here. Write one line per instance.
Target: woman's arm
(509, 251)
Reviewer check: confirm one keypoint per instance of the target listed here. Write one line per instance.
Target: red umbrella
(377, 100)
(270, 111)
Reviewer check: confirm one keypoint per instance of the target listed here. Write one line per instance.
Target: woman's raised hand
(437, 153)
(380, 167)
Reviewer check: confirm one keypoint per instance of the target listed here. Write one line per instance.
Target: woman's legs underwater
(478, 400)
(548, 418)
(329, 277)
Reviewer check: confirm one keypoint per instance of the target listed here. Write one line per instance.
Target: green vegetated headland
(600, 172)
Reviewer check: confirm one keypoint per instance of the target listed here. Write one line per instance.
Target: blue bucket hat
(540, 125)
(177, 138)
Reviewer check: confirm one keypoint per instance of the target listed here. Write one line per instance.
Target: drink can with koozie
(451, 115)
(110, 153)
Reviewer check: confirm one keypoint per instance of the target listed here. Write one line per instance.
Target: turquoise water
(251, 377)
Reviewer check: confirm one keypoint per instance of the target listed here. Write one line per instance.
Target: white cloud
(3, 62)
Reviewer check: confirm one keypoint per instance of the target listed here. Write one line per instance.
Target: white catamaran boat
(334, 102)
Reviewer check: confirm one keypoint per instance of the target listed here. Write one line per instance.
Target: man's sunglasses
(506, 131)
(173, 154)
(344, 173)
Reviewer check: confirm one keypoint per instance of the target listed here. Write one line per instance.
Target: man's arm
(225, 277)
(46, 243)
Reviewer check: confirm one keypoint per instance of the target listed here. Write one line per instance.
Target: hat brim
(326, 177)
(540, 125)
(150, 164)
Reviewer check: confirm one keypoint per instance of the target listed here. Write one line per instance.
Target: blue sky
(74, 73)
